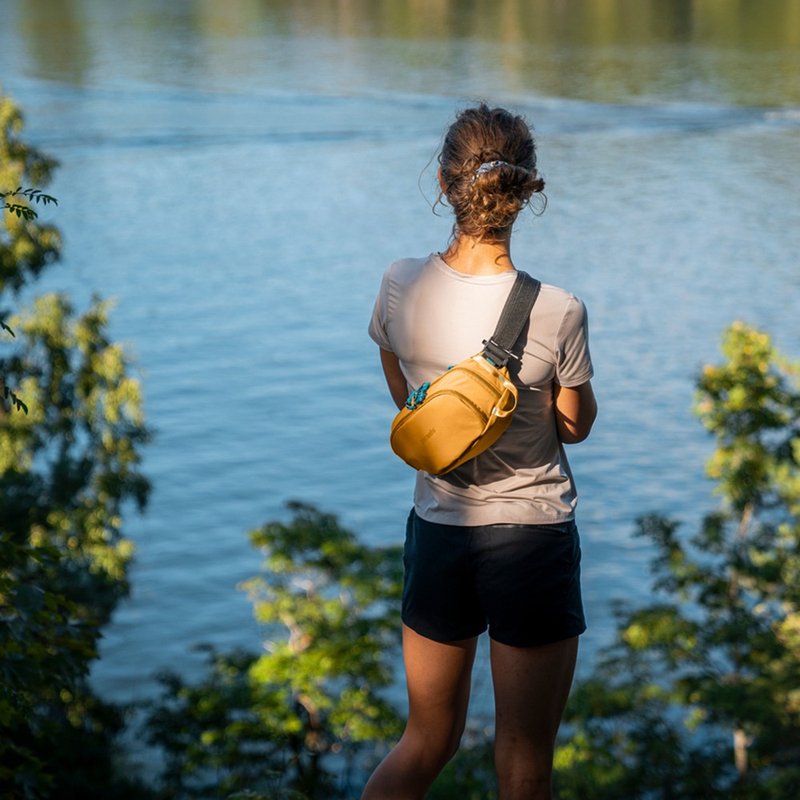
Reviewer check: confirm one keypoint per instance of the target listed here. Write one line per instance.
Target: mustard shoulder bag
(464, 411)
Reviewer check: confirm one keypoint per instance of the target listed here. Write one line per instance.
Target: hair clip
(488, 166)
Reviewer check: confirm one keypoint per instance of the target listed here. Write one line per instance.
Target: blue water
(242, 219)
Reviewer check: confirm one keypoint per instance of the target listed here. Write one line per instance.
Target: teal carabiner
(417, 396)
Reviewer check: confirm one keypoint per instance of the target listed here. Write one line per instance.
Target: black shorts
(520, 581)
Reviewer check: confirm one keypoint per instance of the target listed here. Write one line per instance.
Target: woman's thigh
(531, 686)
(438, 676)
(438, 693)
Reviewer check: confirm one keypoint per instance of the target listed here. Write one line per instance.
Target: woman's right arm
(398, 388)
(576, 410)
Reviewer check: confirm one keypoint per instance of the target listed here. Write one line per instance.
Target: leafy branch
(14, 400)
(23, 209)
(8, 394)
(27, 212)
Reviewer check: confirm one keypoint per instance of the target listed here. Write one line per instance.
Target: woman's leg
(531, 685)
(438, 677)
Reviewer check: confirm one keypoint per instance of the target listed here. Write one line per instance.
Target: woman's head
(488, 171)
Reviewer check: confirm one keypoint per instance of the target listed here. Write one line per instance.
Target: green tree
(27, 245)
(19, 202)
(699, 696)
(69, 468)
(25, 249)
(298, 717)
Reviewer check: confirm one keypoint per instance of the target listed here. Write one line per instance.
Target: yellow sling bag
(464, 411)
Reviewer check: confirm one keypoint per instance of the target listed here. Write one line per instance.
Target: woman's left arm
(576, 410)
(398, 388)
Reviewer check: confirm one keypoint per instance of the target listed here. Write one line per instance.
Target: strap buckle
(496, 355)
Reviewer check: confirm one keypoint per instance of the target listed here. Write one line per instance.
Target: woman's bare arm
(576, 409)
(398, 388)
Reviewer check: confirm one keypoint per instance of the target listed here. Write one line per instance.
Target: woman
(493, 543)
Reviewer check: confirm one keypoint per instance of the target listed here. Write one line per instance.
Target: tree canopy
(69, 471)
(297, 719)
(699, 695)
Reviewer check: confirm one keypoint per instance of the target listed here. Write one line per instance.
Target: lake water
(238, 176)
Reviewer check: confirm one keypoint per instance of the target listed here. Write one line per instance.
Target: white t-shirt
(431, 316)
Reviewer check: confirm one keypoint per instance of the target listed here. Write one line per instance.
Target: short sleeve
(573, 360)
(378, 323)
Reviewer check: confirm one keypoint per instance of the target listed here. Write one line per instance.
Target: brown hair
(486, 203)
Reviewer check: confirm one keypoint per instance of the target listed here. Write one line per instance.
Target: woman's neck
(474, 257)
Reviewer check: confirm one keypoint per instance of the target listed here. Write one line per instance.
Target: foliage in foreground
(300, 717)
(26, 248)
(68, 469)
(699, 696)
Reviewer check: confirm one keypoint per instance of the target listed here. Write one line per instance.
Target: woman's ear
(442, 184)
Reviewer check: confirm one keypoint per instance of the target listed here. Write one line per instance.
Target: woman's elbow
(574, 436)
(573, 431)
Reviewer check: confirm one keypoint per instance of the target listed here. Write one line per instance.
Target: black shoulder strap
(516, 312)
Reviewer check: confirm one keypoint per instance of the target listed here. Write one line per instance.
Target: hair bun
(488, 164)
